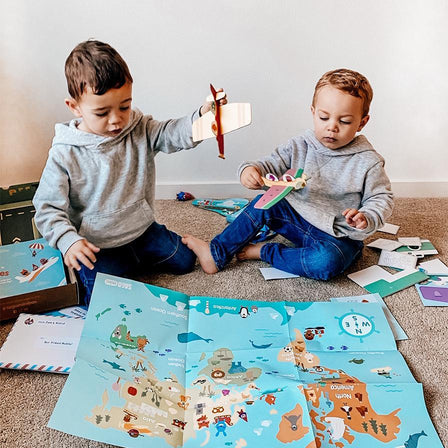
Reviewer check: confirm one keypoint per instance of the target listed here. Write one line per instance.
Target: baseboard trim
(219, 190)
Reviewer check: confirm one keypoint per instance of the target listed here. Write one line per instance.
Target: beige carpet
(28, 398)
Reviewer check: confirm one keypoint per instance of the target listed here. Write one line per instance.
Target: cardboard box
(17, 225)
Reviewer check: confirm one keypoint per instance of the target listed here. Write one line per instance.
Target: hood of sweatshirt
(69, 134)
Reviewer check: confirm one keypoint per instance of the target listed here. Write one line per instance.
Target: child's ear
(312, 109)
(364, 121)
(73, 106)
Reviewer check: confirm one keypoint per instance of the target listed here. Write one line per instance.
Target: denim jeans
(158, 249)
(315, 254)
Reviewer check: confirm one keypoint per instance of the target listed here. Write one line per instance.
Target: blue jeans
(158, 249)
(315, 254)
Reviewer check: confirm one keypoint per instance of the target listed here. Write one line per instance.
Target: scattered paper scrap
(426, 249)
(413, 242)
(376, 279)
(398, 332)
(433, 295)
(434, 267)
(389, 228)
(276, 274)
(382, 243)
(397, 260)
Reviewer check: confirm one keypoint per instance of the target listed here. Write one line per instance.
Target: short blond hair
(348, 81)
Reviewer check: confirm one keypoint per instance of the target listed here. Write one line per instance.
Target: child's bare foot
(202, 251)
(250, 252)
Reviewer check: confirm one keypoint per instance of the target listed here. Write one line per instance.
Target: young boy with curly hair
(347, 197)
(95, 200)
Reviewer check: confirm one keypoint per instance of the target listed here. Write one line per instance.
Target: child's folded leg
(161, 249)
(320, 259)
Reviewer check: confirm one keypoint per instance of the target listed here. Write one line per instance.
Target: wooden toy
(292, 179)
(221, 120)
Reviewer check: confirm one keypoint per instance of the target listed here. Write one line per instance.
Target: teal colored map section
(158, 368)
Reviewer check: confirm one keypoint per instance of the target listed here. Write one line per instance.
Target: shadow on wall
(23, 140)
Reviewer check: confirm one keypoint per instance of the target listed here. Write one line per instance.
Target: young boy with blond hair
(95, 200)
(346, 199)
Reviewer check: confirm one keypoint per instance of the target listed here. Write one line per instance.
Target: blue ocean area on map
(158, 368)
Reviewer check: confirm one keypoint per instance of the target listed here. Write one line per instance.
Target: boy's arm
(51, 202)
(377, 201)
(171, 135)
(277, 163)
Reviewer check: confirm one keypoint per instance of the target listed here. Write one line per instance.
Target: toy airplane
(292, 179)
(221, 120)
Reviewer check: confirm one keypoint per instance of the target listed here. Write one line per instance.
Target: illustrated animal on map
(296, 353)
(293, 179)
(179, 423)
(221, 428)
(292, 419)
(244, 312)
(184, 338)
(122, 336)
(203, 422)
(184, 402)
(412, 442)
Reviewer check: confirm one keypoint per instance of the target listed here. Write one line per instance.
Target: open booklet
(157, 368)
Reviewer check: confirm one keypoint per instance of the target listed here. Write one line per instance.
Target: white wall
(267, 53)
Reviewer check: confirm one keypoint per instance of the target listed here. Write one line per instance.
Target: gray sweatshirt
(102, 188)
(349, 177)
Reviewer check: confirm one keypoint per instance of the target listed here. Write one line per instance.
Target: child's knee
(325, 264)
(185, 263)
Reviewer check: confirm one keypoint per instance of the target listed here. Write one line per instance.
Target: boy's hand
(82, 251)
(207, 106)
(251, 178)
(355, 218)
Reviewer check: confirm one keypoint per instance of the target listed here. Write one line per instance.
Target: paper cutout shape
(377, 280)
(434, 267)
(389, 228)
(433, 295)
(383, 243)
(426, 249)
(276, 274)
(397, 260)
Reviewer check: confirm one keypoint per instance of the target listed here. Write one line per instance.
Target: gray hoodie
(349, 177)
(102, 188)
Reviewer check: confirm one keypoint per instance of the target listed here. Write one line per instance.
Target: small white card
(413, 242)
(276, 274)
(382, 243)
(434, 267)
(397, 260)
(389, 228)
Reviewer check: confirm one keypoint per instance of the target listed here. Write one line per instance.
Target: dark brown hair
(96, 65)
(348, 81)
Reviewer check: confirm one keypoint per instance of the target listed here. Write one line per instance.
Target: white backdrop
(267, 53)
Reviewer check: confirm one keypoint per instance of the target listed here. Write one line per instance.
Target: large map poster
(157, 368)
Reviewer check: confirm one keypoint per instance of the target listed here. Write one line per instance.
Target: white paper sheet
(382, 243)
(397, 260)
(276, 274)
